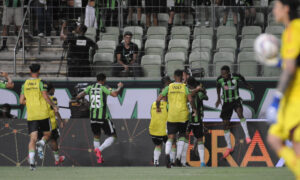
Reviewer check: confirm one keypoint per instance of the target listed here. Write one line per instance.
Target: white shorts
(12, 15)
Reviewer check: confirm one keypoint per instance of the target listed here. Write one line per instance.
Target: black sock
(139, 23)
(4, 41)
(183, 23)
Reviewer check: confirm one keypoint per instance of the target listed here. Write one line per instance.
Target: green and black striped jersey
(98, 94)
(198, 100)
(230, 87)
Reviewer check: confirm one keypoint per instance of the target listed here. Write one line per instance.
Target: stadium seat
(226, 45)
(247, 45)
(271, 20)
(155, 47)
(275, 30)
(180, 32)
(226, 32)
(200, 60)
(163, 19)
(260, 19)
(202, 45)
(91, 33)
(178, 45)
(103, 63)
(189, 19)
(247, 64)
(112, 33)
(151, 65)
(221, 59)
(136, 31)
(106, 46)
(203, 33)
(251, 32)
(270, 71)
(174, 60)
(157, 32)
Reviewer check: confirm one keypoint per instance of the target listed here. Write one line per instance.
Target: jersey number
(96, 103)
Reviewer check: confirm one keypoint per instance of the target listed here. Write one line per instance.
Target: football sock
(244, 126)
(201, 151)
(56, 155)
(108, 142)
(227, 138)
(289, 156)
(157, 152)
(180, 145)
(96, 143)
(183, 154)
(42, 142)
(173, 154)
(31, 156)
(168, 146)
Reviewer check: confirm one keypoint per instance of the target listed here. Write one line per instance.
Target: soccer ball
(266, 47)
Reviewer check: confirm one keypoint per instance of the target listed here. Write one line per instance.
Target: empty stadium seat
(112, 33)
(247, 45)
(226, 32)
(251, 32)
(155, 47)
(275, 30)
(247, 64)
(137, 32)
(173, 61)
(260, 19)
(157, 32)
(106, 46)
(200, 60)
(202, 45)
(226, 45)
(91, 33)
(151, 65)
(178, 45)
(270, 71)
(180, 32)
(203, 33)
(163, 19)
(103, 63)
(221, 59)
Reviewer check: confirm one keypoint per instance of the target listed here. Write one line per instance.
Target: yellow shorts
(288, 124)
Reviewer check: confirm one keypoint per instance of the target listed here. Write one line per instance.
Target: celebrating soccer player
(6, 85)
(229, 82)
(34, 95)
(284, 110)
(99, 116)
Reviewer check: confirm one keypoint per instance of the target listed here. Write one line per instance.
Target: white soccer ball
(266, 47)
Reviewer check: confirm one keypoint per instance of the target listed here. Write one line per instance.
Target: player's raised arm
(117, 91)
(9, 84)
(219, 95)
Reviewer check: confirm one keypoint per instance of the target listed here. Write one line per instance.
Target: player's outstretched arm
(219, 96)
(117, 91)
(159, 98)
(9, 84)
(80, 95)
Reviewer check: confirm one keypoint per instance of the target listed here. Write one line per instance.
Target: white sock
(180, 145)
(157, 152)
(56, 155)
(108, 142)
(227, 138)
(96, 143)
(184, 151)
(201, 152)
(42, 142)
(245, 128)
(172, 155)
(31, 157)
(168, 146)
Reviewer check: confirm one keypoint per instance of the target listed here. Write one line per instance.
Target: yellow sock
(289, 156)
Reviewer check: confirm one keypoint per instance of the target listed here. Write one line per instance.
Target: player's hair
(82, 28)
(50, 86)
(186, 71)
(225, 68)
(192, 82)
(101, 77)
(34, 68)
(165, 80)
(293, 5)
(128, 33)
(178, 73)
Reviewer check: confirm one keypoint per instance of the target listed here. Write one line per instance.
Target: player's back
(52, 113)
(158, 123)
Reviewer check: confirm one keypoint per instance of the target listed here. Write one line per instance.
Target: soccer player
(178, 95)
(284, 110)
(229, 82)
(6, 85)
(34, 95)
(99, 116)
(54, 128)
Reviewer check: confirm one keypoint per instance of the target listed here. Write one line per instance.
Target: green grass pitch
(153, 173)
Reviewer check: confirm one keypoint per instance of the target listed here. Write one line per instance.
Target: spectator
(105, 10)
(177, 6)
(153, 7)
(199, 8)
(127, 53)
(230, 5)
(90, 15)
(12, 12)
(138, 5)
(78, 52)
(249, 12)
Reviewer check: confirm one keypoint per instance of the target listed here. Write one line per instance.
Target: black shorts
(174, 128)
(54, 134)
(247, 3)
(158, 140)
(106, 125)
(228, 107)
(197, 129)
(39, 125)
(135, 3)
(229, 3)
(203, 2)
(155, 6)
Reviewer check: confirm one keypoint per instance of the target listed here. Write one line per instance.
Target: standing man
(34, 95)
(178, 95)
(284, 110)
(99, 116)
(229, 82)
(8, 84)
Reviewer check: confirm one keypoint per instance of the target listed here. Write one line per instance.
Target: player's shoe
(32, 167)
(186, 164)
(156, 163)
(202, 164)
(40, 149)
(168, 161)
(227, 152)
(99, 155)
(60, 160)
(178, 163)
(248, 140)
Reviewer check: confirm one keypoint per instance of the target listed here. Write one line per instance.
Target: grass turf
(132, 173)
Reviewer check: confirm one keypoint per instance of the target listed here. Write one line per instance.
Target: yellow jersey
(158, 123)
(37, 107)
(177, 100)
(290, 50)
(52, 113)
